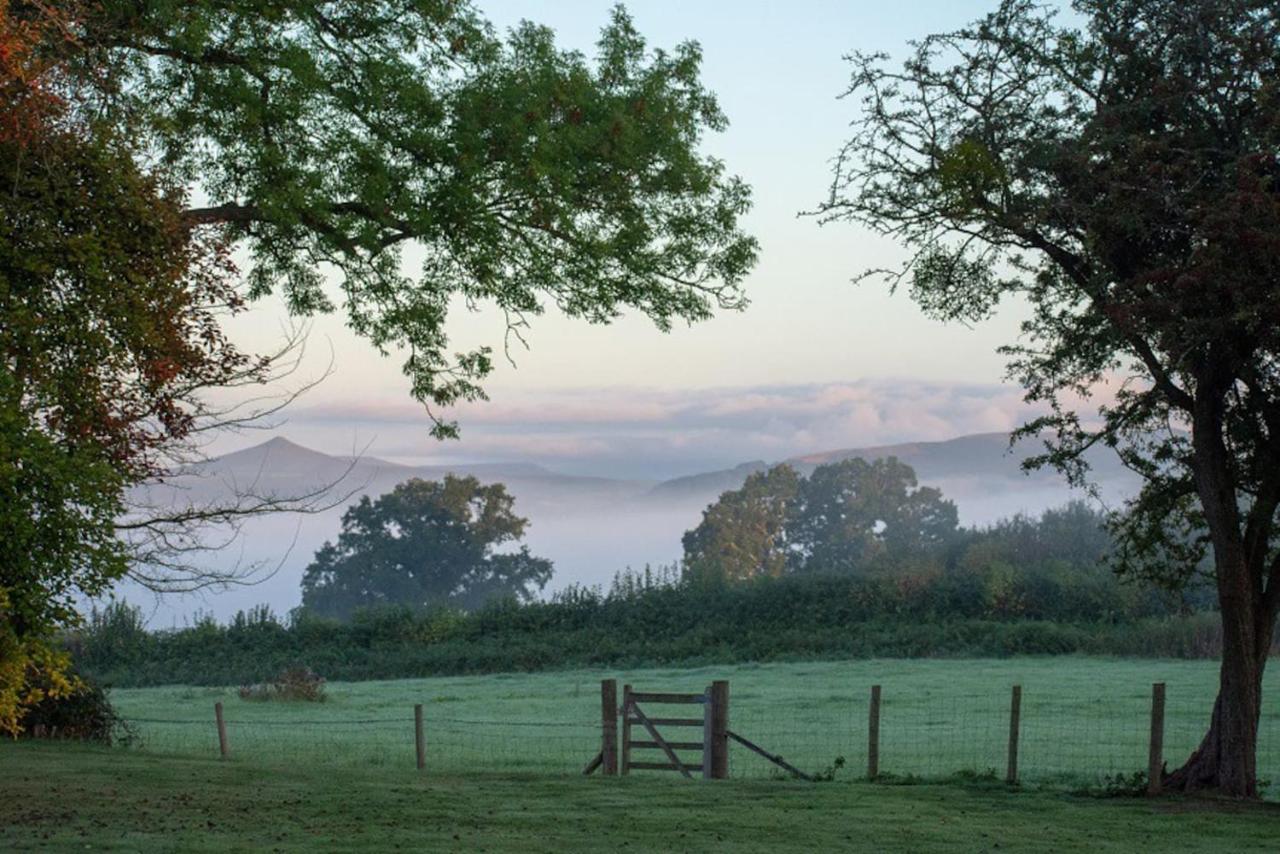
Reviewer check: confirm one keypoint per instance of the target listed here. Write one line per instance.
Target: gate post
(708, 718)
(609, 726)
(717, 731)
(625, 767)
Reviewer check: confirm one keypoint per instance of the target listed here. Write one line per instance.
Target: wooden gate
(712, 718)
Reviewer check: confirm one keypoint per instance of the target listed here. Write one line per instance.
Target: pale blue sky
(777, 69)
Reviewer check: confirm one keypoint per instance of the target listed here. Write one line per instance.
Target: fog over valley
(589, 526)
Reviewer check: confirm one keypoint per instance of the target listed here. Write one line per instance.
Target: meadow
(1083, 719)
(63, 797)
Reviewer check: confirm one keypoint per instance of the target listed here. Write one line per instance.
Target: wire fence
(453, 745)
(1066, 741)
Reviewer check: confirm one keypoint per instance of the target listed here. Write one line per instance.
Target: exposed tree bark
(1226, 759)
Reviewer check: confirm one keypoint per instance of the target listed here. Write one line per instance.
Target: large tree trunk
(1226, 760)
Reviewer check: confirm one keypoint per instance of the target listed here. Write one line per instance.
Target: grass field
(67, 797)
(1082, 718)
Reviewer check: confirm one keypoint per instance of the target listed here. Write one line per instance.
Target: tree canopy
(744, 534)
(425, 544)
(853, 512)
(1123, 180)
(847, 516)
(352, 138)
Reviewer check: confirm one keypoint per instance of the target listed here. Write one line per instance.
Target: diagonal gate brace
(661, 742)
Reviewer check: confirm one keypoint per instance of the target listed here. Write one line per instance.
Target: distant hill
(708, 483)
(982, 458)
(279, 465)
(980, 454)
(284, 468)
(280, 457)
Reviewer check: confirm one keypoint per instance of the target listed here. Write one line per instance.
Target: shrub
(84, 714)
(293, 683)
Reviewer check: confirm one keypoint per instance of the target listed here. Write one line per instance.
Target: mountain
(283, 468)
(279, 465)
(281, 458)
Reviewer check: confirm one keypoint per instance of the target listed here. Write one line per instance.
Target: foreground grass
(59, 797)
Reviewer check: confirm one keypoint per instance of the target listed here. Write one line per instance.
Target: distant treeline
(1024, 586)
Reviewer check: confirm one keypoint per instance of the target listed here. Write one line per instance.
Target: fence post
(719, 735)
(1015, 721)
(1155, 759)
(873, 735)
(223, 747)
(419, 736)
(708, 712)
(609, 726)
(625, 746)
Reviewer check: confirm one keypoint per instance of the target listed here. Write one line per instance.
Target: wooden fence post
(1155, 759)
(223, 747)
(625, 746)
(719, 735)
(873, 735)
(1015, 721)
(708, 712)
(419, 736)
(609, 726)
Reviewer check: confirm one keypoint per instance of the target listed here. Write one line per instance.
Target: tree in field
(853, 511)
(1123, 180)
(425, 544)
(744, 533)
(842, 518)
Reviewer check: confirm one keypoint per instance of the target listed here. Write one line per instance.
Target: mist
(589, 527)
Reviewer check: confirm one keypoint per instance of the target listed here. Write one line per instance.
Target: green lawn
(65, 797)
(1082, 718)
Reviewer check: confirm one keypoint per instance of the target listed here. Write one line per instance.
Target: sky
(814, 363)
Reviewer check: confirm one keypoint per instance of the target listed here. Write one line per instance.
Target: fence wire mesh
(1067, 736)
(453, 745)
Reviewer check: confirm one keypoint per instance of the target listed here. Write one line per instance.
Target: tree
(843, 517)
(425, 544)
(852, 512)
(1075, 533)
(330, 136)
(1123, 180)
(743, 534)
(110, 306)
